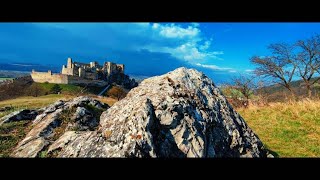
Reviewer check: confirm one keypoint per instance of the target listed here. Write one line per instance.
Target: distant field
(288, 129)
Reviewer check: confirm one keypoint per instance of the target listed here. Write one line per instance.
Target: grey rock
(179, 114)
(36, 139)
(84, 120)
(20, 115)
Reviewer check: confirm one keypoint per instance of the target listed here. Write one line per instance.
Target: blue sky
(220, 50)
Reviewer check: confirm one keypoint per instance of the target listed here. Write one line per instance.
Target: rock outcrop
(19, 115)
(57, 119)
(179, 114)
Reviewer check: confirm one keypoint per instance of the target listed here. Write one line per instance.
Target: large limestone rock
(179, 114)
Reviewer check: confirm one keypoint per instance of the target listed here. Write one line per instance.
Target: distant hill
(13, 74)
(277, 92)
(18, 66)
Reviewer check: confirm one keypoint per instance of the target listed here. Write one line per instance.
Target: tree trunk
(246, 103)
(291, 91)
(309, 90)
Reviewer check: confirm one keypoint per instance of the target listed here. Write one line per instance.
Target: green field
(288, 129)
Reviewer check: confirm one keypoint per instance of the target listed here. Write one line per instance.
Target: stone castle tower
(91, 70)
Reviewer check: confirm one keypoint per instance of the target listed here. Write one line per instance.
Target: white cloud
(249, 70)
(145, 24)
(205, 46)
(16, 64)
(174, 31)
(232, 71)
(155, 25)
(188, 51)
(217, 52)
(215, 67)
(190, 46)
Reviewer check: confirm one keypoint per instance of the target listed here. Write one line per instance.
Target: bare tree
(308, 62)
(279, 66)
(245, 85)
(35, 90)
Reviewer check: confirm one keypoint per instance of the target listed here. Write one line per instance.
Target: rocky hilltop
(179, 114)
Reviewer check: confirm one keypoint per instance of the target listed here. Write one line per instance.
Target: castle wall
(67, 71)
(91, 75)
(43, 77)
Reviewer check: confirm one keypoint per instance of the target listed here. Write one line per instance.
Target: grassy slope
(65, 87)
(71, 89)
(34, 102)
(291, 130)
(277, 93)
(11, 134)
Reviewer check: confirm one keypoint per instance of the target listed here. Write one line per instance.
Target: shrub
(55, 89)
(35, 90)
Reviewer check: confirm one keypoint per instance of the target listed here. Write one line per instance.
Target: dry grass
(41, 101)
(108, 100)
(290, 129)
(34, 102)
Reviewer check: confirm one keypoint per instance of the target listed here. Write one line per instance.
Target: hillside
(288, 129)
(277, 93)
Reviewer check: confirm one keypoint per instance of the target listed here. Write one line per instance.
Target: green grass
(289, 129)
(11, 134)
(66, 88)
(72, 89)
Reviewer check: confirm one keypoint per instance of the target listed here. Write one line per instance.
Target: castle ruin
(80, 73)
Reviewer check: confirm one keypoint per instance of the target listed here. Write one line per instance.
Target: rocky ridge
(179, 114)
